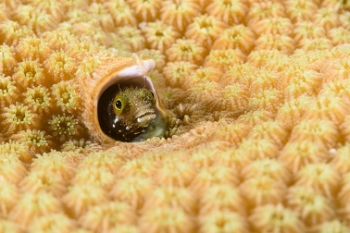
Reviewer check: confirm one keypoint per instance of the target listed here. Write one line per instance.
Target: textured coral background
(261, 89)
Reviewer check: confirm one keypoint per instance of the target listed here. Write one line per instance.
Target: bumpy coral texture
(262, 90)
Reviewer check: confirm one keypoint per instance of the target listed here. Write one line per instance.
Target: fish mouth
(158, 127)
(145, 115)
(146, 119)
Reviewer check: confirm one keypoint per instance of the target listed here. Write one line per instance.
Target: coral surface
(261, 90)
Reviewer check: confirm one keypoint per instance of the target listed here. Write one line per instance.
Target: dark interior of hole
(107, 96)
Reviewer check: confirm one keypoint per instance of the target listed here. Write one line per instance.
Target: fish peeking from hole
(130, 113)
(122, 103)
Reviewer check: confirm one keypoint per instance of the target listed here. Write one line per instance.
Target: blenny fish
(122, 103)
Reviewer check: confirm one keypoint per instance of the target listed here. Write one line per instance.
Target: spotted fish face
(121, 102)
(128, 112)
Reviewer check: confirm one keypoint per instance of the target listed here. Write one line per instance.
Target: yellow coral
(224, 59)
(172, 220)
(203, 73)
(260, 90)
(282, 43)
(159, 35)
(262, 190)
(60, 66)
(38, 99)
(121, 13)
(263, 10)
(55, 222)
(108, 215)
(100, 177)
(233, 98)
(218, 221)
(275, 131)
(307, 29)
(7, 59)
(176, 175)
(276, 218)
(132, 190)
(64, 127)
(205, 29)
(29, 73)
(9, 194)
(267, 167)
(81, 197)
(312, 207)
(54, 164)
(179, 13)
(301, 10)
(38, 20)
(173, 197)
(146, 10)
(236, 37)
(321, 132)
(207, 177)
(321, 177)
(186, 50)
(278, 25)
(36, 140)
(39, 181)
(18, 117)
(340, 160)
(296, 155)
(230, 12)
(11, 32)
(65, 96)
(8, 90)
(175, 73)
(35, 205)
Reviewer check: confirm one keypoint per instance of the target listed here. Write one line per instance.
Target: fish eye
(119, 104)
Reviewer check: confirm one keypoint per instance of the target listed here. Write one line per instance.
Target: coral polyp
(17, 117)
